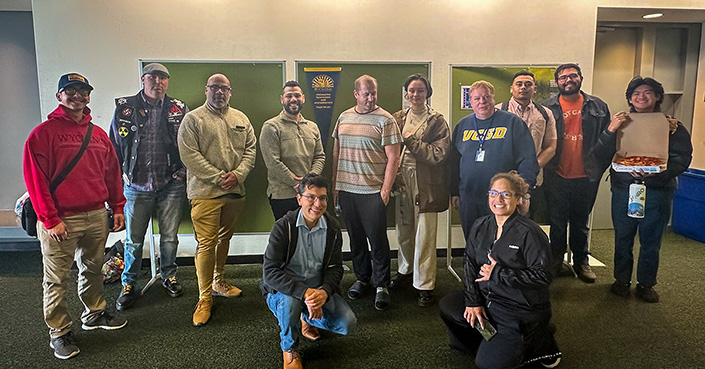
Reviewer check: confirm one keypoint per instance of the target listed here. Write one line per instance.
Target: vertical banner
(322, 84)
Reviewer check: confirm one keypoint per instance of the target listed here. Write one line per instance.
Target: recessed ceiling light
(652, 15)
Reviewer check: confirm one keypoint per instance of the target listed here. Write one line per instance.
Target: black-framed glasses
(505, 194)
(312, 198)
(72, 91)
(572, 76)
(215, 88)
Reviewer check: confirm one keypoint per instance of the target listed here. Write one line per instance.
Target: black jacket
(283, 242)
(680, 153)
(521, 277)
(129, 116)
(599, 145)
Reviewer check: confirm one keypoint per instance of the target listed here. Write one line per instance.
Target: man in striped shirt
(365, 163)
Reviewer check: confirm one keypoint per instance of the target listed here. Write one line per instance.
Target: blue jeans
(138, 209)
(337, 317)
(656, 214)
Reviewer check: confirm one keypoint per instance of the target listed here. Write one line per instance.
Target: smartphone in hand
(488, 332)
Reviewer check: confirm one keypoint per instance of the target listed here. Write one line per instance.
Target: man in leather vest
(143, 131)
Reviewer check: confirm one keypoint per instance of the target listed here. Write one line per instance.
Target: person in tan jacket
(217, 146)
(423, 187)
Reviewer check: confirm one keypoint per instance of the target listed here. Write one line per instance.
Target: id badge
(480, 155)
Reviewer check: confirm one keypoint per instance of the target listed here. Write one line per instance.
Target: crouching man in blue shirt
(302, 271)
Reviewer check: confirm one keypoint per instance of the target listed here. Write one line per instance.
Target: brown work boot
(292, 360)
(202, 313)
(225, 290)
(309, 331)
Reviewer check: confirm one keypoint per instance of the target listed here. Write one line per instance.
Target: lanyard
(481, 137)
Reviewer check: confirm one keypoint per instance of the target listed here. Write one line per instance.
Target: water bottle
(637, 199)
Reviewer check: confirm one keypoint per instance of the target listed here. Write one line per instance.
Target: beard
(296, 108)
(569, 90)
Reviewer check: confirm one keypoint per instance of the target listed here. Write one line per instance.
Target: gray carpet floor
(595, 328)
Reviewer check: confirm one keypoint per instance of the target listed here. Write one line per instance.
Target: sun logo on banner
(322, 81)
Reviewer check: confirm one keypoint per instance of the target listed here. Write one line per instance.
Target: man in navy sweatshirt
(485, 143)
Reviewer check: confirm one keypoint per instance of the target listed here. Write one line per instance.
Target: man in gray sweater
(291, 148)
(217, 146)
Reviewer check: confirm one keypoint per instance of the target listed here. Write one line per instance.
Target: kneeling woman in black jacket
(507, 275)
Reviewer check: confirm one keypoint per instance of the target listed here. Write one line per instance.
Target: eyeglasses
(215, 88)
(312, 198)
(566, 76)
(72, 91)
(505, 194)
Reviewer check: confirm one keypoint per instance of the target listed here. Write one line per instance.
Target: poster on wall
(465, 98)
(322, 85)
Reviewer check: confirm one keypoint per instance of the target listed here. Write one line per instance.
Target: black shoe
(425, 298)
(647, 294)
(127, 297)
(620, 289)
(382, 299)
(65, 346)
(399, 279)
(173, 286)
(104, 321)
(357, 289)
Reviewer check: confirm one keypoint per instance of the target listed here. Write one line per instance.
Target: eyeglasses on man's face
(72, 91)
(312, 198)
(572, 76)
(216, 88)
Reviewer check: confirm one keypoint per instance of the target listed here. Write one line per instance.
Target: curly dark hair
(518, 184)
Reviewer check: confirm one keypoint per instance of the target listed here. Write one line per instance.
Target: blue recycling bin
(689, 205)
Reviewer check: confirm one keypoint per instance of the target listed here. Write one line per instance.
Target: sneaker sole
(175, 295)
(552, 365)
(213, 293)
(56, 354)
(106, 327)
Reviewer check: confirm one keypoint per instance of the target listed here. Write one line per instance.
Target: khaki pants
(416, 234)
(87, 233)
(214, 224)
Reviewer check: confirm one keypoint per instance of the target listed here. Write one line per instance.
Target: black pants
(520, 338)
(570, 201)
(282, 206)
(366, 219)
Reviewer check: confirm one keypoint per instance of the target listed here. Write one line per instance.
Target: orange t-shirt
(571, 164)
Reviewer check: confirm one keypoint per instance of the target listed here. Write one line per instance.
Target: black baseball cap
(70, 79)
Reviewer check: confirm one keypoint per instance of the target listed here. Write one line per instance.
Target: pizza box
(646, 134)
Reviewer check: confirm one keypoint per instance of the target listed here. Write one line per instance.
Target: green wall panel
(256, 89)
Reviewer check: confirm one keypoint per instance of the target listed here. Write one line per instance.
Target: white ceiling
(635, 15)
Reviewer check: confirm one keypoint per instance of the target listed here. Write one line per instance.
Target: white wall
(107, 38)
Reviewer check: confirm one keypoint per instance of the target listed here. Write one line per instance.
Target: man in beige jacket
(217, 146)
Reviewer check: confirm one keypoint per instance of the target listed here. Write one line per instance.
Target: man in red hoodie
(72, 217)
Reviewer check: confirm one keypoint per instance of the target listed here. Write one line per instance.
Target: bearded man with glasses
(586, 144)
(217, 146)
